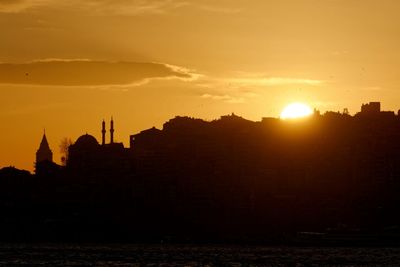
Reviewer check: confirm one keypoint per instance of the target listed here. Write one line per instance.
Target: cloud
(242, 87)
(269, 81)
(225, 98)
(133, 7)
(120, 7)
(251, 81)
(81, 72)
(115, 7)
(220, 9)
(372, 88)
(14, 6)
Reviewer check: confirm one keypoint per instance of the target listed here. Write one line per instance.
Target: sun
(296, 110)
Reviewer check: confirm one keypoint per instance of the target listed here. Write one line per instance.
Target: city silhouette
(199, 133)
(328, 178)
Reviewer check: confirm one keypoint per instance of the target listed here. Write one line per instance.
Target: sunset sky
(67, 64)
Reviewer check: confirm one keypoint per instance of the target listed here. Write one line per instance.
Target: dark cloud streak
(87, 73)
(102, 6)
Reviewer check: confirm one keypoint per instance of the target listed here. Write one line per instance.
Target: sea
(190, 255)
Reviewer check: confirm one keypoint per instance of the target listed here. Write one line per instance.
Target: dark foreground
(181, 255)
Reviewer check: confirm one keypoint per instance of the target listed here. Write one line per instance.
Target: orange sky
(67, 64)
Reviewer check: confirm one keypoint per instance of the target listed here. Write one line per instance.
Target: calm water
(136, 255)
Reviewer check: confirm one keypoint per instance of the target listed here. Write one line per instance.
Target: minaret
(44, 152)
(103, 133)
(112, 131)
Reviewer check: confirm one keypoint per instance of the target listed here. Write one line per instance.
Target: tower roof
(44, 152)
(44, 145)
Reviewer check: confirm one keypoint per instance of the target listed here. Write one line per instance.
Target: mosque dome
(86, 141)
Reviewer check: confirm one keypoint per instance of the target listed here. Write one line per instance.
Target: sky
(65, 65)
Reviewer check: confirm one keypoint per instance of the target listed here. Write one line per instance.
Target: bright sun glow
(296, 110)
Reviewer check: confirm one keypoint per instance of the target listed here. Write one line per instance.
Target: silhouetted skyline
(147, 61)
(47, 153)
(44, 153)
(327, 178)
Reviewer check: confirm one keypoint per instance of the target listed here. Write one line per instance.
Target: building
(371, 108)
(88, 155)
(44, 152)
(44, 165)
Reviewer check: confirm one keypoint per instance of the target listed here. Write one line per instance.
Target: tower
(103, 133)
(371, 108)
(44, 152)
(112, 131)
